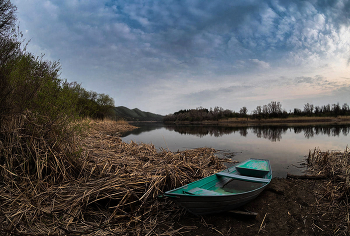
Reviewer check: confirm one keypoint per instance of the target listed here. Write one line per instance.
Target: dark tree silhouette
(7, 16)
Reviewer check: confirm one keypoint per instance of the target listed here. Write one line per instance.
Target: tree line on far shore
(271, 110)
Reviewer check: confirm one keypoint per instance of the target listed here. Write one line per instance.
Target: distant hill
(136, 114)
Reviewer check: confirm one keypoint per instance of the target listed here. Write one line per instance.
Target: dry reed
(113, 190)
(332, 198)
(332, 164)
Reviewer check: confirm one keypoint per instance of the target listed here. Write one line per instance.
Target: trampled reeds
(111, 188)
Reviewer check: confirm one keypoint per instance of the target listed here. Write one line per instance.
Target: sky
(164, 56)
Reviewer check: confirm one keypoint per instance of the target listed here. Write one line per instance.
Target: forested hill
(136, 114)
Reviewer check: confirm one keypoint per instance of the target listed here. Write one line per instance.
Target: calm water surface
(286, 147)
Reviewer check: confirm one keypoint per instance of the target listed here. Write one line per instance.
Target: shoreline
(288, 206)
(122, 182)
(275, 121)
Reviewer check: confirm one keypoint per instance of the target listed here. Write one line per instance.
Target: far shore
(274, 121)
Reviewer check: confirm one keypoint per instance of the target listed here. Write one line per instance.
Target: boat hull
(201, 205)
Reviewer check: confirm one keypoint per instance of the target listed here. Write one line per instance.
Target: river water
(285, 146)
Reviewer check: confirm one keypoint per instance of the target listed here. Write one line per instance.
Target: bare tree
(7, 16)
(243, 111)
(9, 44)
(308, 108)
(258, 110)
(275, 108)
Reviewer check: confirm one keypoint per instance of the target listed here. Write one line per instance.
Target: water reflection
(285, 146)
(272, 133)
(333, 131)
(143, 128)
(201, 130)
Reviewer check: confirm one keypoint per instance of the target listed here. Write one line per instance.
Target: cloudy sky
(163, 56)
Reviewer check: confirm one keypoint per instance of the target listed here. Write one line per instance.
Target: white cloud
(260, 64)
(52, 9)
(157, 53)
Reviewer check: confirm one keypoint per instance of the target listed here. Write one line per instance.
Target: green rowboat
(254, 168)
(225, 190)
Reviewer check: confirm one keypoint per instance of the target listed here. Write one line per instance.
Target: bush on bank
(38, 110)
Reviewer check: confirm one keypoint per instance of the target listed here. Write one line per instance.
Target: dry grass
(333, 196)
(36, 148)
(110, 126)
(333, 164)
(113, 190)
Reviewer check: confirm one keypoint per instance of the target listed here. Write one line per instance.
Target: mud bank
(286, 207)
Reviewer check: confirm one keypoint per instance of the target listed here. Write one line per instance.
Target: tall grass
(35, 148)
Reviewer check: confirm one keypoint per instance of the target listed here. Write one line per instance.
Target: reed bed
(113, 190)
(333, 194)
(334, 165)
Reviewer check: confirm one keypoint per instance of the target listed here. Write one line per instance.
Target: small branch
(291, 176)
(261, 226)
(244, 213)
